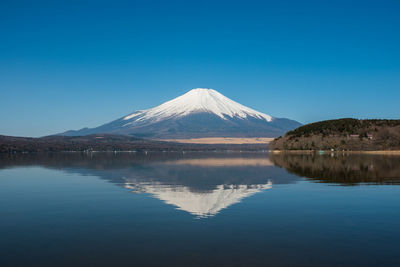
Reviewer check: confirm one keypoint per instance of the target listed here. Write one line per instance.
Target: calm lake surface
(199, 209)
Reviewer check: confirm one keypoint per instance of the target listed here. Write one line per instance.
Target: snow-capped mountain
(198, 113)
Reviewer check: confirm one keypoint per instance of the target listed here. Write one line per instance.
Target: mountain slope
(198, 113)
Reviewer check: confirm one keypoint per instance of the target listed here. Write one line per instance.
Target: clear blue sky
(72, 64)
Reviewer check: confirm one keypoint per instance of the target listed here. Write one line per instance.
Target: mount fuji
(196, 114)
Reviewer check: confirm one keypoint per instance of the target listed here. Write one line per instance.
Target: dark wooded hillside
(342, 134)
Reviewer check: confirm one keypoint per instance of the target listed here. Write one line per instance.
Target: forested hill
(342, 134)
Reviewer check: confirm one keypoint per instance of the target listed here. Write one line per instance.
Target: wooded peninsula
(342, 135)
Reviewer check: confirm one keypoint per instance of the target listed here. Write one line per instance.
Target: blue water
(243, 211)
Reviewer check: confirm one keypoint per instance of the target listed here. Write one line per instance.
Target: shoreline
(373, 152)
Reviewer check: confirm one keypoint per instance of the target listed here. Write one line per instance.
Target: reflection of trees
(347, 169)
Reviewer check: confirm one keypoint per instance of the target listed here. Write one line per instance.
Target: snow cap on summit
(199, 100)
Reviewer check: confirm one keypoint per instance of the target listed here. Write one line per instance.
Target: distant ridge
(107, 142)
(198, 113)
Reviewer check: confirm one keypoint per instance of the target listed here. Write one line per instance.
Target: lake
(199, 209)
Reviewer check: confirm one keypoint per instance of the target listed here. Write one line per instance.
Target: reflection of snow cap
(201, 204)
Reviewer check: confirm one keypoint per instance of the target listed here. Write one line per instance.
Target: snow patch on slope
(197, 100)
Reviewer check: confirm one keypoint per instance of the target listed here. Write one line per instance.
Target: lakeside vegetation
(342, 134)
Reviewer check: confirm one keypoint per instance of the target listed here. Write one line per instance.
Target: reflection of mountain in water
(348, 169)
(201, 204)
(205, 183)
(199, 183)
(200, 186)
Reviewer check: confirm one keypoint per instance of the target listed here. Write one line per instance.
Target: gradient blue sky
(72, 64)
